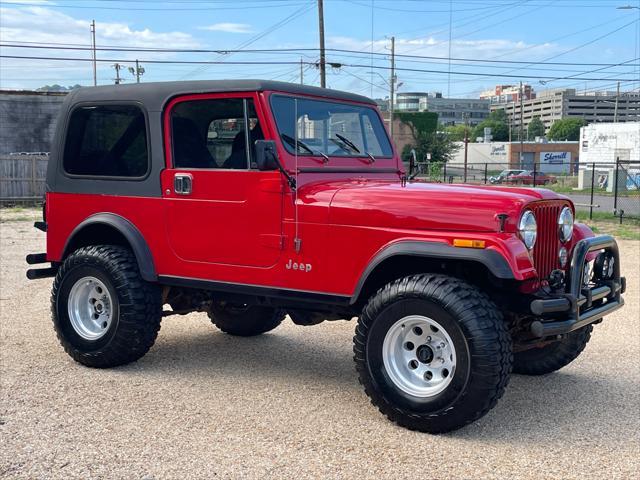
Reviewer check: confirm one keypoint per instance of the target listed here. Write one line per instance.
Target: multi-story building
(451, 111)
(552, 105)
(502, 94)
(410, 101)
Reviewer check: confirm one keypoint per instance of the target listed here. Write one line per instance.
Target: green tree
(426, 138)
(535, 128)
(456, 132)
(498, 123)
(438, 144)
(566, 129)
(58, 88)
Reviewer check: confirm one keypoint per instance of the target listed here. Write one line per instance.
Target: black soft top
(154, 95)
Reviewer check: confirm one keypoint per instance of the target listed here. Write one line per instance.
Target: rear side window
(107, 141)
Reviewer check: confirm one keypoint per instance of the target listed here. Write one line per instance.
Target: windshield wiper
(348, 142)
(299, 144)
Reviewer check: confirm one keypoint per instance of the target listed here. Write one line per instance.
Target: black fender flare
(131, 234)
(491, 259)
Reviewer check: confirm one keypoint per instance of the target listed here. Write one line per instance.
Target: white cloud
(435, 47)
(41, 24)
(433, 76)
(229, 27)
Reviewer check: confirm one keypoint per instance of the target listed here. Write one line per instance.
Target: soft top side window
(107, 141)
(212, 133)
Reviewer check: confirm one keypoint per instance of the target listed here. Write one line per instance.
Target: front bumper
(581, 304)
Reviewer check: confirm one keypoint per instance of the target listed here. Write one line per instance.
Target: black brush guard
(576, 307)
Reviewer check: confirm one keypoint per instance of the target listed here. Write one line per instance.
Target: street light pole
(521, 127)
(392, 82)
(466, 143)
(615, 110)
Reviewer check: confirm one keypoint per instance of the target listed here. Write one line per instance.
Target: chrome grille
(545, 251)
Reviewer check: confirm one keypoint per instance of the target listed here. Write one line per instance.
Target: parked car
(526, 177)
(504, 175)
(253, 200)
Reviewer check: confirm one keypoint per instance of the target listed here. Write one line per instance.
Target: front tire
(552, 357)
(104, 313)
(432, 352)
(245, 320)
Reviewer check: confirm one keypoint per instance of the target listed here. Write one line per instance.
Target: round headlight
(565, 224)
(528, 229)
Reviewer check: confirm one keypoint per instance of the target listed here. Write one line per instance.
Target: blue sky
(504, 30)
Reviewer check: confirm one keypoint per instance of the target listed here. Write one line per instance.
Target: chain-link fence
(604, 190)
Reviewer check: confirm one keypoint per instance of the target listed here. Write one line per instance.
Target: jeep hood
(432, 206)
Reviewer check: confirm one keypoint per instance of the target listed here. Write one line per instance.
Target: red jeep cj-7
(251, 200)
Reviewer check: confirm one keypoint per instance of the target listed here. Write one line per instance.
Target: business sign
(555, 158)
(498, 150)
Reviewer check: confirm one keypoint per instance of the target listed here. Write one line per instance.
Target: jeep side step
(35, 258)
(37, 273)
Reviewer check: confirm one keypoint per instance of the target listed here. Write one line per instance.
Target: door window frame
(168, 133)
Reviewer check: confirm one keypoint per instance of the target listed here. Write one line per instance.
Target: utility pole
(301, 72)
(392, 84)
(93, 50)
(323, 77)
(521, 127)
(615, 111)
(138, 71)
(117, 66)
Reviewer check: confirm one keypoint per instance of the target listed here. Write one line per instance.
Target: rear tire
(472, 343)
(552, 357)
(245, 320)
(104, 313)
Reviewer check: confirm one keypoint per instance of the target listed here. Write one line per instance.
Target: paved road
(288, 404)
(630, 205)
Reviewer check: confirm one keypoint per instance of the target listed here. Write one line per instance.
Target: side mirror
(266, 156)
(267, 159)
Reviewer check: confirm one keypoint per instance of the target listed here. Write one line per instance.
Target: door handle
(183, 183)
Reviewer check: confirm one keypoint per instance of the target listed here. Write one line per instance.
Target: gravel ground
(288, 404)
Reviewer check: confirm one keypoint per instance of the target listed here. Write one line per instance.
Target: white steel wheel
(419, 356)
(90, 308)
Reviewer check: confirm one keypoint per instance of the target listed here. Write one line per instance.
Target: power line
(293, 51)
(353, 65)
(301, 11)
(152, 9)
(562, 37)
(573, 49)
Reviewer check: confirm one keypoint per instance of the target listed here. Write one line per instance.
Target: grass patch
(19, 214)
(19, 218)
(12, 210)
(604, 223)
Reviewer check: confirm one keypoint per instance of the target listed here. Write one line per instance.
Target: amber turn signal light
(466, 243)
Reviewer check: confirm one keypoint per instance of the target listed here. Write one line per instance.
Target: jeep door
(219, 208)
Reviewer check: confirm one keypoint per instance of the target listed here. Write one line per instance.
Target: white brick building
(604, 142)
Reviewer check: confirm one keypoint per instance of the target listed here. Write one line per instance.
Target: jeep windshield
(330, 129)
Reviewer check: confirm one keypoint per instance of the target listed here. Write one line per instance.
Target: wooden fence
(22, 178)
